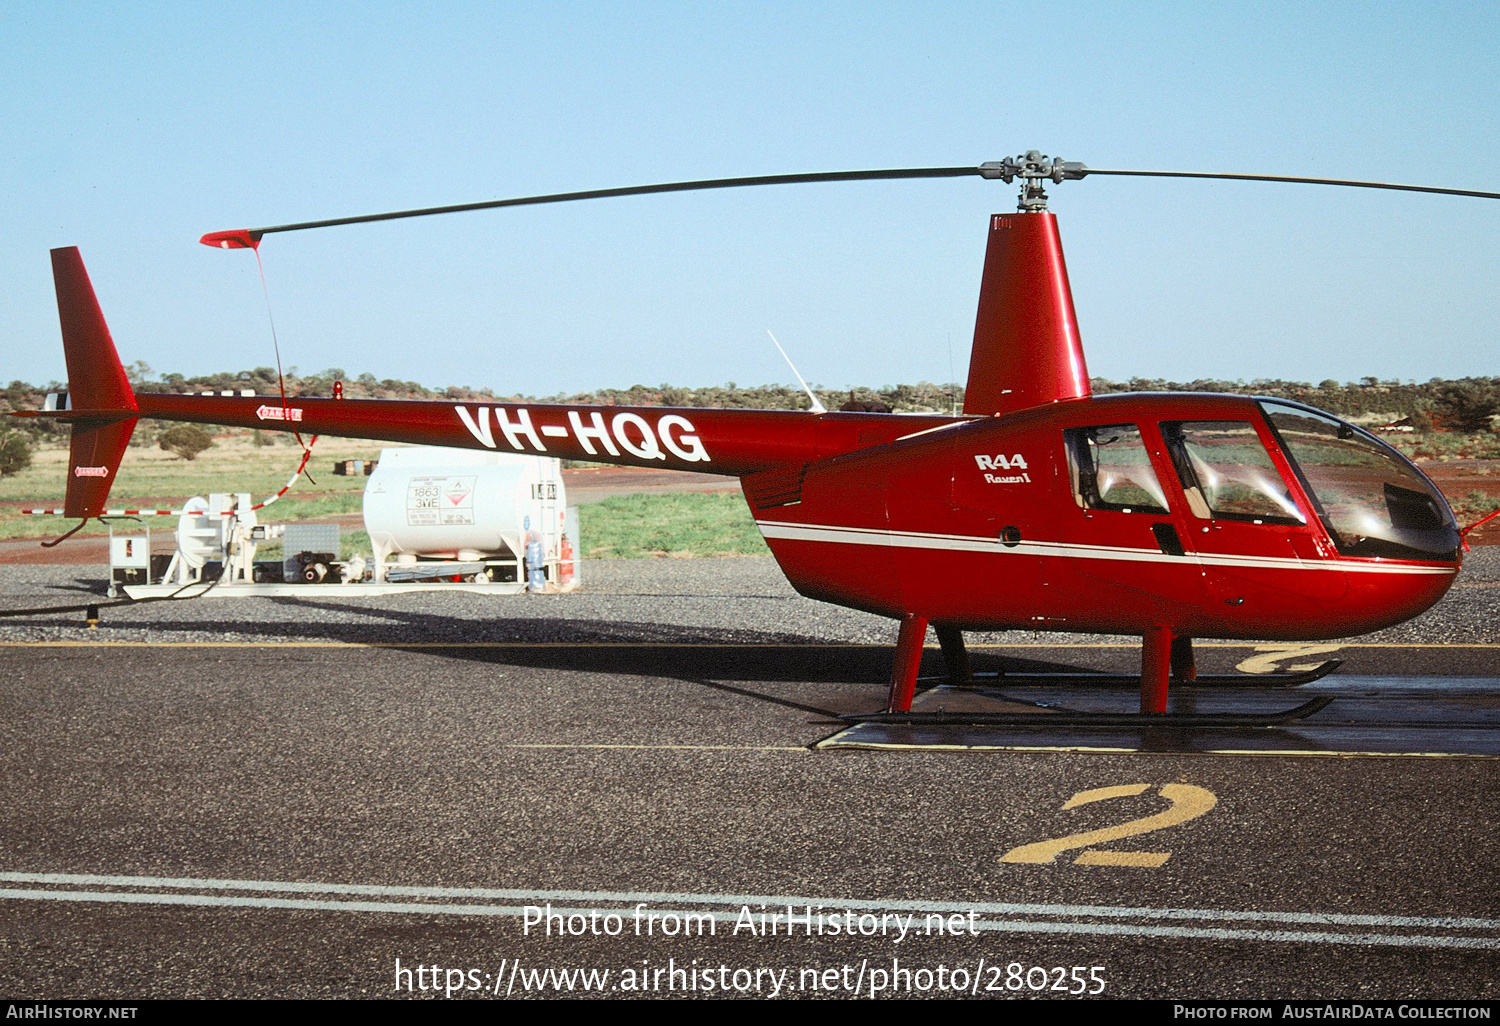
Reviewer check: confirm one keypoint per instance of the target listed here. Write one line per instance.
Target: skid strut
(1165, 659)
(1156, 668)
(909, 642)
(1184, 667)
(955, 655)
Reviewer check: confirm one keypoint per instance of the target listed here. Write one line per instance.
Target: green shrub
(15, 453)
(1469, 404)
(185, 440)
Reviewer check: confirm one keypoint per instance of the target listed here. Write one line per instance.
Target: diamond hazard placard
(439, 501)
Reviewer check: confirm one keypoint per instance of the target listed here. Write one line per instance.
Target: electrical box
(130, 559)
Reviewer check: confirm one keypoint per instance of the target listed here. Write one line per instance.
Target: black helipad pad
(1393, 716)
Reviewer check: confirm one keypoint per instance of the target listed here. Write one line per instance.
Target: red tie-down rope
(306, 455)
(1464, 534)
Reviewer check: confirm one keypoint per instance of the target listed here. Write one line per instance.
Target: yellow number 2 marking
(1188, 802)
(1270, 655)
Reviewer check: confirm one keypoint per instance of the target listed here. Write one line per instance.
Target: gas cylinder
(536, 559)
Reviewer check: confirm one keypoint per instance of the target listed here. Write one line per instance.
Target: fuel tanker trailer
(443, 513)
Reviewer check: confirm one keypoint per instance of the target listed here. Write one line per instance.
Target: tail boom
(709, 441)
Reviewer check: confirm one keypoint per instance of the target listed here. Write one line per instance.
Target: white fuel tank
(452, 503)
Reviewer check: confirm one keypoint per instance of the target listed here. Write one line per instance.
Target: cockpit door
(1120, 531)
(1247, 521)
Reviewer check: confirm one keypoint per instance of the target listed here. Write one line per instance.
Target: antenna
(952, 377)
(817, 407)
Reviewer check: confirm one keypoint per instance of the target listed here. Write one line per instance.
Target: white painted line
(980, 925)
(239, 901)
(166, 889)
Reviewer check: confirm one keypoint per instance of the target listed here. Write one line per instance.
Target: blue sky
(131, 130)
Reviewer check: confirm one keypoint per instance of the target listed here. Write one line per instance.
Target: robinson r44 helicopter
(1041, 507)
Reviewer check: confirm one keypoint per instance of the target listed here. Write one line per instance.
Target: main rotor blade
(1353, 183)
(215, 238)
(1032, 169)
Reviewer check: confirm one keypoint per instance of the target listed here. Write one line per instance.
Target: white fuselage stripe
(969, 543)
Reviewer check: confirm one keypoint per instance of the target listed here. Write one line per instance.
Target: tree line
(1465, 404)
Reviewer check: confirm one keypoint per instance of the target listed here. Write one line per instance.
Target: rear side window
(1226, 472)
(1110, 469)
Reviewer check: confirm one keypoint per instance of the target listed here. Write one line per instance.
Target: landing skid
(1205, 681)
(1070, 718)
(1166, 662)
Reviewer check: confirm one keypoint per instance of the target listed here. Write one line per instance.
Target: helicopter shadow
(727, 660)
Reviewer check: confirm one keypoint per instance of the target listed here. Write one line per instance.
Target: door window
(1226, 472)
(1110, 469)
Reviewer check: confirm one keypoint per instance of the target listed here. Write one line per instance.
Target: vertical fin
(96, 380)
(98, 390)
(1026, 347)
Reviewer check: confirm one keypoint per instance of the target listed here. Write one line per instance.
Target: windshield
(1370, 497)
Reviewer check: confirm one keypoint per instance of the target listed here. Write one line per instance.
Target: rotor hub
(1033, 168)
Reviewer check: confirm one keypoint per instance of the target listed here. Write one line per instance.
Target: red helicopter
(1041, 507)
